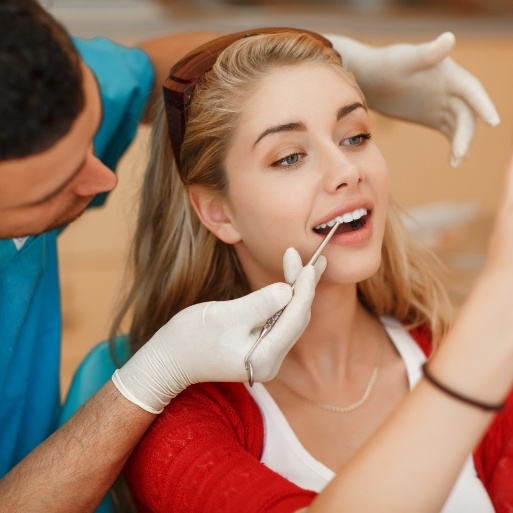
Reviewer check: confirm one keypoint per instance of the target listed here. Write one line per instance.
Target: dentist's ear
(214, 213)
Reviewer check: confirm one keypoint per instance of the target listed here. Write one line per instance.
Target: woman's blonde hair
(177, 262)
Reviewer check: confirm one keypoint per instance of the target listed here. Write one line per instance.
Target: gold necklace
(350, 407)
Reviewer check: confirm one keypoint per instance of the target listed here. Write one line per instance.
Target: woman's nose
(341, 171)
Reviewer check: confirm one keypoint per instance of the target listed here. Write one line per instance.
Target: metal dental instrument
(268, 326)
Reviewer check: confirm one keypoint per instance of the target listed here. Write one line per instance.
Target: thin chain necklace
(350, 407)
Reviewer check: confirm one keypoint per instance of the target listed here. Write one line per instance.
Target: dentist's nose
(341, 172)
(95, 177)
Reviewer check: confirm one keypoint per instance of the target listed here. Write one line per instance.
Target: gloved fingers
(464, 130)
(296, 315)
(255, 308)
(469, 89)
(292, 265)
(433, 52)
(320, 267)
(269, 354)
(304, 287)
(304, 290)
(414, 58)
(445, 120)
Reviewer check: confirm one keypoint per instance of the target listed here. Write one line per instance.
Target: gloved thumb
(292, 266)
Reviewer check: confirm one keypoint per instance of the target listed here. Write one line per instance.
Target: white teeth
(345, 218)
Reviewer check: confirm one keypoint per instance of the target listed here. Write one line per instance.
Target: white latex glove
(422, 84)
(208, 342)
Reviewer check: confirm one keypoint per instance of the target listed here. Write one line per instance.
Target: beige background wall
(93, 250)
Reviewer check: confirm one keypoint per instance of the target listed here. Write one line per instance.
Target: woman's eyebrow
(347, 109)
(296, 126)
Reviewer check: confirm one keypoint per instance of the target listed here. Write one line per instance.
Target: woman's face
(301, 158)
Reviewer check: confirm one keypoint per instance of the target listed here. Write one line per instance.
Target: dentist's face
(50, 189)
(302, 157)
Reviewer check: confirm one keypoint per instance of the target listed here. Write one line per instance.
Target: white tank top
(284, 453)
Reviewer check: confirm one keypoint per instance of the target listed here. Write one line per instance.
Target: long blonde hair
(177, 262)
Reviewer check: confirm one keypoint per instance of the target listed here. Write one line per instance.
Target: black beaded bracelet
(460, 397)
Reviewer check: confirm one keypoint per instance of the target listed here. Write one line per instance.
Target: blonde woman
(275, 146)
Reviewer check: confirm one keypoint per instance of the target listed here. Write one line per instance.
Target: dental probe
(268, 326)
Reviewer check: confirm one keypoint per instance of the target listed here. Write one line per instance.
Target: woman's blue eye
(289, 160)
(357, 140)
(292, 159)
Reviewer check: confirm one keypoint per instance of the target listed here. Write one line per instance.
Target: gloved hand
(209, 341)
(421, 83)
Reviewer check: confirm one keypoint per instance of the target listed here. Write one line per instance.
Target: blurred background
(450, 209)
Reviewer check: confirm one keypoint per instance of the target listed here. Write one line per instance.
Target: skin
(332, 361)
(74, 468)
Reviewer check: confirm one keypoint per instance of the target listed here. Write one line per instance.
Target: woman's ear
(214, 213)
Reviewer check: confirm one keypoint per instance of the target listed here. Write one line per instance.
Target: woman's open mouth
(349, 222)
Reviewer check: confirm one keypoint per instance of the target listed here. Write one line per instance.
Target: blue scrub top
(30, 310)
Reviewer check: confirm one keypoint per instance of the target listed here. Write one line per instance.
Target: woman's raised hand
(423, 84)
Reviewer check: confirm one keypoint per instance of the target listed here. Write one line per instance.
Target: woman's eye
(356, 140)
(289, 160)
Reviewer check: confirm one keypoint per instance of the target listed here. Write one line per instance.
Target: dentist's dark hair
(40, 79)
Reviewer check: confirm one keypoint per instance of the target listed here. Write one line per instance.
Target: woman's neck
(340, 330)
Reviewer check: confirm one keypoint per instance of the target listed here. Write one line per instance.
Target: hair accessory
(184, 75)
(457, 395)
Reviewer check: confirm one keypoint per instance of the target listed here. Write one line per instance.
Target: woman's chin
(349, 274)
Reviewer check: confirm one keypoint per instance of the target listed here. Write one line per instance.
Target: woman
(278, 147)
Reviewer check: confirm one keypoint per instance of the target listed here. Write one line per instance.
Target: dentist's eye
(356, 140)
(289, 161)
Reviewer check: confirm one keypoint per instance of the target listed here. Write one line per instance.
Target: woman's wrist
(458, 396)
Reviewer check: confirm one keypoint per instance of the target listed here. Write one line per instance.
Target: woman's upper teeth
(345, 218)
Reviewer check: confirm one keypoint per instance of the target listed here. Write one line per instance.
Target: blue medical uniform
(30, 310)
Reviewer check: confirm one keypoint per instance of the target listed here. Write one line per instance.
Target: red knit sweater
(202, 455)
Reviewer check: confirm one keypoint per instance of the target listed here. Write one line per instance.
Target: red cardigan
(202, 455)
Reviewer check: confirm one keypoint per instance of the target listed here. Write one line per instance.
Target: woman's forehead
(296, 91)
